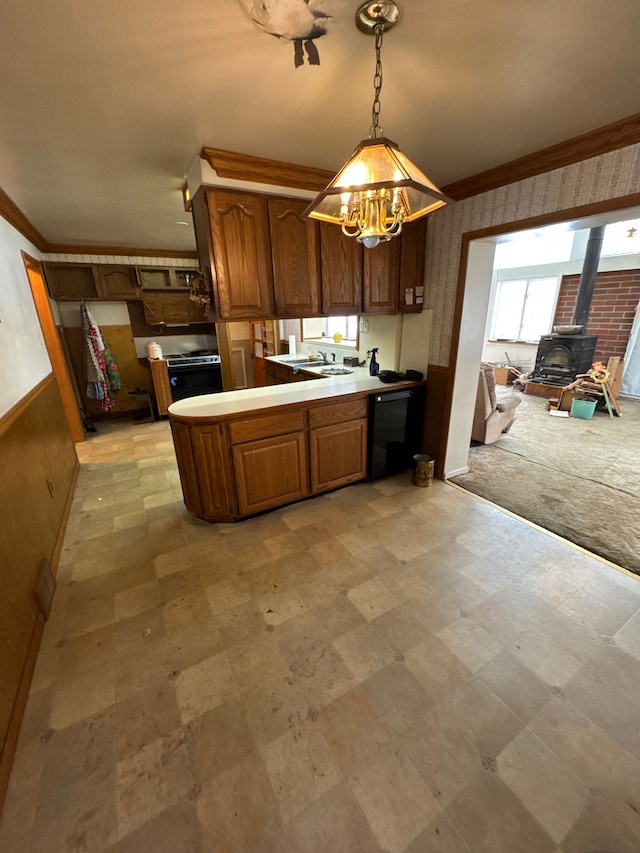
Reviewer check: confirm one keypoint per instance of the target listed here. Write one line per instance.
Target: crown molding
(14, 216)
(620, 134)
(228, 164)
(244, 167)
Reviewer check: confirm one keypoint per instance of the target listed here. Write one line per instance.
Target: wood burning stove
(560, 358)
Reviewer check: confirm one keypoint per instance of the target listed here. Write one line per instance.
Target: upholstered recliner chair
(491, 418)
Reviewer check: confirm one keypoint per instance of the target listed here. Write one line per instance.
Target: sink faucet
(324, 356)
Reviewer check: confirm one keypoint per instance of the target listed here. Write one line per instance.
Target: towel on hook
(102, 372)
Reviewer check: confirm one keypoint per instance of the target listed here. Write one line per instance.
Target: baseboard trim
(57, 549)
(457, 473)
(15, 721)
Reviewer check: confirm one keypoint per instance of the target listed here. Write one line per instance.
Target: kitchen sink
(297, 361)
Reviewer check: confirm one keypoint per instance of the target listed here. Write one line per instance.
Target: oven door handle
(191, 366)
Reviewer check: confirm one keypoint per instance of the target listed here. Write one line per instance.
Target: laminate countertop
(270, 396)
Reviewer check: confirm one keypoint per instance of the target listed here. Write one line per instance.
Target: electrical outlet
(364, 325)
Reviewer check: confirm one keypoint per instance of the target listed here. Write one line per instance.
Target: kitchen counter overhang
(242, 452)
(230, 403)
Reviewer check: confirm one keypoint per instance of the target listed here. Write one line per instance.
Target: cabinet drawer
(338, 412)
(266, 426)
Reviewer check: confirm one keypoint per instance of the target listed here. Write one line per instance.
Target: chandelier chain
(375, 129)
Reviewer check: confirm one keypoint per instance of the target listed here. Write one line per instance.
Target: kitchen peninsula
(243, 452)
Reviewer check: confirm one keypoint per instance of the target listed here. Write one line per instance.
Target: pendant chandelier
(379, 188)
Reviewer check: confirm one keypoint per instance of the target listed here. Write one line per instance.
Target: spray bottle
(374, 367)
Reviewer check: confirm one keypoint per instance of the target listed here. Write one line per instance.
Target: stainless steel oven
(194, 373)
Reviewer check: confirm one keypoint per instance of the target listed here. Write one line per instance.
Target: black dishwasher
(395, 430)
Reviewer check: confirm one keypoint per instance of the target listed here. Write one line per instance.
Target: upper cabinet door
(412, 259)
(381, 278)
(295, 247)
(341, 271)
(71, 281)
(239, 224)
(117, 282)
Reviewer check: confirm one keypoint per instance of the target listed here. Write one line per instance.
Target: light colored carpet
(578, 478)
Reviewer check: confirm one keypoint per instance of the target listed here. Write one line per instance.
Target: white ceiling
(106, 103)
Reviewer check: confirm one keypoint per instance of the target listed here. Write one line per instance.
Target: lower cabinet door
(270, 472)
(210, 455)
(188, 473)
(338, 454)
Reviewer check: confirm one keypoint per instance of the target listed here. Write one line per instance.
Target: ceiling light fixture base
(379, 13)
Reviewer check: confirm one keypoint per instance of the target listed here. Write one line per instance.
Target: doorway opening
(572, 477)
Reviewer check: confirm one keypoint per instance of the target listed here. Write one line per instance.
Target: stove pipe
(587, 282)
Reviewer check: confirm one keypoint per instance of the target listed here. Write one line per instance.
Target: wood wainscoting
(436, 419)
(39, 470)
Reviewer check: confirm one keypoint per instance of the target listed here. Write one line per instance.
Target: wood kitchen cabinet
(270, 460)
(160, 383)
(183, 441)
(120, 282)
(394, 273)
(341, 264)
(337, 444)
(412, 263)
(210, 454)
(295, 250)
(159, 278)
(281, 374)
(117, 282)
(70, 281)
(270, 472)
(272, 261)
(382, 278)
(200, 450)
(171, 308)
(73, 282)
(268, 457)
(241, 243)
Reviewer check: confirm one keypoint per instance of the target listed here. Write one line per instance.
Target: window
(321, 330)
(621, 238)
(523, 308)
(548, 245)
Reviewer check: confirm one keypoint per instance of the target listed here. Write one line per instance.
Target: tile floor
(385, 668)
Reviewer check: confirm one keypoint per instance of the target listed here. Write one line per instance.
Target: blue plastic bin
(582, 409)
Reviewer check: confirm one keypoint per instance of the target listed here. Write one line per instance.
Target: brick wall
(613, 307)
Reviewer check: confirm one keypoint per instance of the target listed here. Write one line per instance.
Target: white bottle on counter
(154, 350)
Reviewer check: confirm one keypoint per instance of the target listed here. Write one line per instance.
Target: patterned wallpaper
(609, 176)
